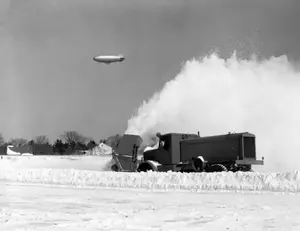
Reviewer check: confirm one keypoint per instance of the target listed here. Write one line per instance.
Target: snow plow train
(188, 153)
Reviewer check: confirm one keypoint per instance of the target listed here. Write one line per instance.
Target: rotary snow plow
(188, 153)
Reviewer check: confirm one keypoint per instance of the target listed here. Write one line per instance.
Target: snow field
(32, 207)
(274, 182)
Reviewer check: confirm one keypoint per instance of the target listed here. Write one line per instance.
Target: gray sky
(49, 82)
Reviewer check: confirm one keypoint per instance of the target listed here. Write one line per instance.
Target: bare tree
(18, 142)
(87, 140)
(42, 139)
(2, 141)
(73, 136)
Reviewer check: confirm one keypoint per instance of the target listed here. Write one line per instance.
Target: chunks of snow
(94, 171)
(222, 181)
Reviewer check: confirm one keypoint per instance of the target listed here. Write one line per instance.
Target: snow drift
(276, 182)
(93, 171)
(217, 96)
(81, 162)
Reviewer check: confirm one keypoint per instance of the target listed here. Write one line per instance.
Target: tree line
(69, 142)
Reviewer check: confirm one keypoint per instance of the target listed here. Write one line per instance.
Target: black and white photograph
(150, 115)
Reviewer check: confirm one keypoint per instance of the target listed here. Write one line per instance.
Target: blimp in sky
(107, 59)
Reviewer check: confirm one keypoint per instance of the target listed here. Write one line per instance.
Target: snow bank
(276, 182)
(93, 171)
(81, 162)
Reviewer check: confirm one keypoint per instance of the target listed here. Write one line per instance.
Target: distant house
(101, 149)
(21, 150)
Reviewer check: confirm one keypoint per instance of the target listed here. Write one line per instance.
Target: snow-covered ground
(76, 193)
(57, 208)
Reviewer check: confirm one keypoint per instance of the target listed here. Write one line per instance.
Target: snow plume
(217, 96)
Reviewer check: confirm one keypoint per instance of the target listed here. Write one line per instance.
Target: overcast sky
(49, 82)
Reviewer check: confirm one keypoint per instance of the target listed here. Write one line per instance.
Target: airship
(107, 59)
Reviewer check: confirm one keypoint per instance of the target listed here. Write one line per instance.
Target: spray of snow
(99, 150)
(217, 96)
